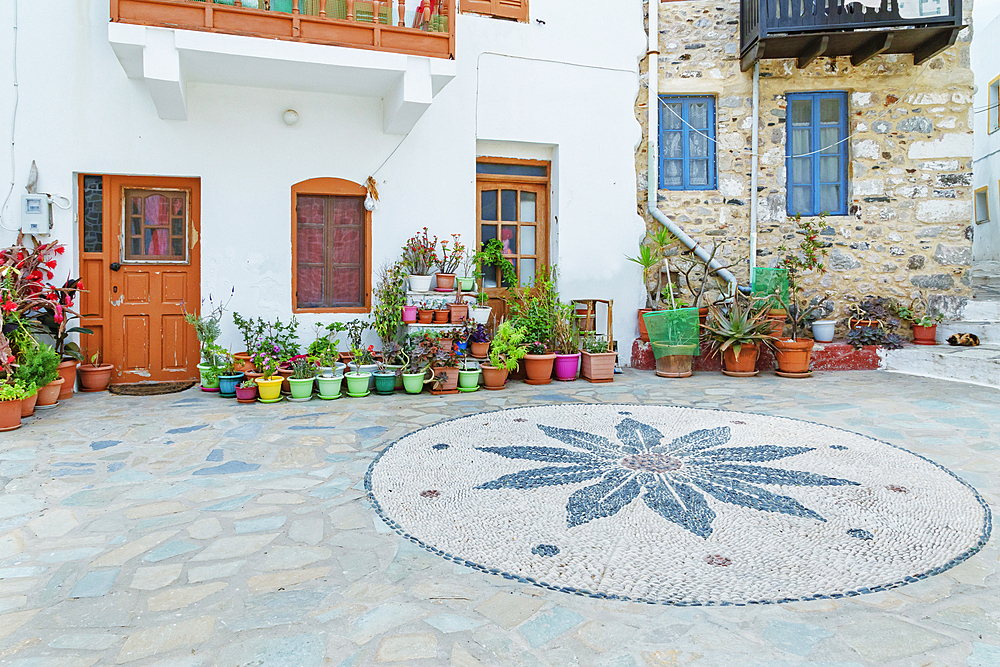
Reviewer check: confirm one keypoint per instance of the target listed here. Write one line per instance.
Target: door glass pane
(527, 272)
(801, 199)
(527, 207)
(698, 115)
(699, 145)
(672, 172)
(829, 110)
(93, 214)
(801, 112)
(672, 116)
(488, 232)
(829, 198)
(508, 205)
(672, 145)
(489, 205)
(136, 247)
(801, 170)
(829, 169)
(504, 280)
(828, 139)
(177, 227)
(489, 276)
(699, 172)
(158, 229)
(508, 236)
(800, 142)
(136, 226)
(178, 247)
(527, 240)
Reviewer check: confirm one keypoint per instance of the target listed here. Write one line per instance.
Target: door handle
(115, 266)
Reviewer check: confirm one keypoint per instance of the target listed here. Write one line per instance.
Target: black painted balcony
(808, 29)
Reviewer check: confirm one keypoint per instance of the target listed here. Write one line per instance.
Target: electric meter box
(36, 214)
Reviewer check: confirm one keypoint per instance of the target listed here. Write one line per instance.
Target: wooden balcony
(379, 25)
(808, 29)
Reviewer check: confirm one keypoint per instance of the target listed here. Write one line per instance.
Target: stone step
(987, 330)
(975, 365)
(981, 309)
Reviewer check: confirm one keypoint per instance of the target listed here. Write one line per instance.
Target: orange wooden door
(153, 271)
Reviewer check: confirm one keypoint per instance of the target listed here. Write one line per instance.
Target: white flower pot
(823, 330)
(481, 315)
(420, 283)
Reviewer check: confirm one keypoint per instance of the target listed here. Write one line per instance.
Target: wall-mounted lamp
(291, 117)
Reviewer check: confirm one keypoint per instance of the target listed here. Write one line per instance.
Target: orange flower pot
(28, 405)
(49, 394)
(538, 368)
(793, 356)
(745, 363)
(494, 378)
(67, 371)
(10, 415)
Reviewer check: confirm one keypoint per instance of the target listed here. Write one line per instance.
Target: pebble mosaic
(672, 505)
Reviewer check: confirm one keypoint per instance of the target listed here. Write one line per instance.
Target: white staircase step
(987, 330)
(978, 310)
(975, 365)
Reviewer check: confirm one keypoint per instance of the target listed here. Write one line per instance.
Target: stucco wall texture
(910, 168)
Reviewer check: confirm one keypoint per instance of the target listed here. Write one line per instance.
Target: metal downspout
(754, 167)
(653, 150)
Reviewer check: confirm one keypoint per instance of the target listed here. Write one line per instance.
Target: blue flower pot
(227, 384)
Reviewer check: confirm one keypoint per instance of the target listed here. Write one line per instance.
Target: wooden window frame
(686, 101)
(814, 145)
(975, 205)
(126, 235)
(336, 187)
(496, 9)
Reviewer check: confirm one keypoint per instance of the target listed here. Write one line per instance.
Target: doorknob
(115, 266)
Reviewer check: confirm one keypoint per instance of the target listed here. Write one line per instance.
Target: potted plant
(95, 376)
(302, 379)
(441, 312)
(653, 259)
(673, 335)
(468, 378)
(918, 314)
(360, 380)
(207, 330)
(37, 367)
(246, 391)
(534, 309)
(449, 263)
(252, 330)
(506, 350)
(409, 314)
(873, 321)
(736, 330)
(425, 314)
(793, 355)
(492, 255)
(597, 363)
(329, 386)
(390, 301)
(229, 374)
(480, 313)
(269, 383)
(416, 358)
(28, 399)
(566, 343)
(10, 405)
(467, 281)
(419, 257)
(361, 357)
(458, 311)
(696, 272)
(478, 339)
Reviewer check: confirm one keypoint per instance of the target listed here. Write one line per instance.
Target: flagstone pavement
(187, 530)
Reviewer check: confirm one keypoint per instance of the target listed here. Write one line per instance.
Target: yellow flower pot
(269, 388)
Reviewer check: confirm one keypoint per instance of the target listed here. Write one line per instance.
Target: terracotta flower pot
(49, 394)
(286, 386)
(745, 363)
(479, 350)
(28, 405)
(441, 316)
(538, 368)
(10, 415)
(95, 378)
(67, 371)
(450, 375)
(243, 362)
(494, 378)
(566, 366)
(854, 323)
(777, 317)
(793, 356)
(425, 316)
(598, 367)
(458, 312)
(643, 334)
(924, 335)
(445, 281)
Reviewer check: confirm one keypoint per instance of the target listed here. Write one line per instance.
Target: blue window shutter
(674, 131)
(816, 179)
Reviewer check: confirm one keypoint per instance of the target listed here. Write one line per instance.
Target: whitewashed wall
(568, 95)
(986, 151)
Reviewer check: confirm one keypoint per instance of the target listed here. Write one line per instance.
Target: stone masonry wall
(909, 178)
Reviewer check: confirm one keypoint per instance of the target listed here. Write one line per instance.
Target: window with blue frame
(817, 153)
(687, 143)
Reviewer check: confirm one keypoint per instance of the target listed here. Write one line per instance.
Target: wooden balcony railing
(424, 28)
(806, 29)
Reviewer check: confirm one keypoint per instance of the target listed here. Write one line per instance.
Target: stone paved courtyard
(187, 530)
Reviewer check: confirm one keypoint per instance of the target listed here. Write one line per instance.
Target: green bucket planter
(301, 387)
(468, 380)
(329, 387)
(466, 284)
(413, 383)
(385, 382)
(208, 382)
(357, 384)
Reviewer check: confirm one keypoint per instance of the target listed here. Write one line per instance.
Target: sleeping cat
(963, 339)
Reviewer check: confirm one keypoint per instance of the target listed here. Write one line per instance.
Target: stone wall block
(950, 255)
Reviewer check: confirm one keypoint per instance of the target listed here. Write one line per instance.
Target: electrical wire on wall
(13, 125)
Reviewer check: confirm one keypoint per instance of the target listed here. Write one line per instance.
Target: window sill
(351, 309)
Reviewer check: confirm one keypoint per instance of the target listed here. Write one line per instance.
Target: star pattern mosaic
(676, 505)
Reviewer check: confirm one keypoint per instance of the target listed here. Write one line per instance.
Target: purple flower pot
(567, 366)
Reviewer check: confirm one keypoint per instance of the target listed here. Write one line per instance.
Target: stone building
(897, 183)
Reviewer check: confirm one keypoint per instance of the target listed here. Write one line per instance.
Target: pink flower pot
(567, 366)
(409, 313)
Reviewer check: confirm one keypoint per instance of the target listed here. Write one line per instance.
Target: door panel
(152, 237)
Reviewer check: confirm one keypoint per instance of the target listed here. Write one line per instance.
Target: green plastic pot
(301, 387)
(329, 387)
(466, 284)
(413, 383)
(468, 379)
(385, 382)
(357, 383)
(207, 384)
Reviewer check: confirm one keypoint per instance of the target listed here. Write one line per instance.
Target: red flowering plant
(450, 261)
(30, 304)
(420, 254)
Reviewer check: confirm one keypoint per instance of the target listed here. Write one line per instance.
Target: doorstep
(833, 356)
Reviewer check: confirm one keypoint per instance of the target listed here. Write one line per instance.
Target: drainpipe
(653, 151)
(753, 167)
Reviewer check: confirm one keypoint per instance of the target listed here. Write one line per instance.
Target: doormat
(150, 388)
(676, 506)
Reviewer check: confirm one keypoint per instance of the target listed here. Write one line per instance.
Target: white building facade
(986, 157)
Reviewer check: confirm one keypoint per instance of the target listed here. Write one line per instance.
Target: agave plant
(741, 321)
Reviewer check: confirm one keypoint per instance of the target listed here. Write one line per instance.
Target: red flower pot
(49, 394)
(479, 350)
(425, 316)
(924, 335)
(449, 375)
(445, 281)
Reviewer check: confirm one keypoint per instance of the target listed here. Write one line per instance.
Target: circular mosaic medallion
(676, 505)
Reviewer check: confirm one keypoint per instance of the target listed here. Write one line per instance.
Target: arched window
(331, 247)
